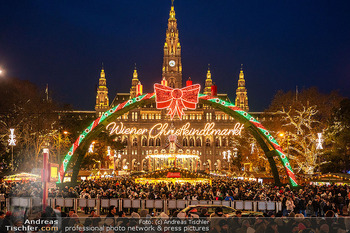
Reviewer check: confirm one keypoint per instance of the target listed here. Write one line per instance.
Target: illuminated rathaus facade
(146, 131)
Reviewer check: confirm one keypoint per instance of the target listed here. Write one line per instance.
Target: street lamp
(12, 143)
(282, 135)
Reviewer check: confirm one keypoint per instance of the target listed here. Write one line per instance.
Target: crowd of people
(195, 222)
(310, 200)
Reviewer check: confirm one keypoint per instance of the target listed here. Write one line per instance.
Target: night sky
(282, 44)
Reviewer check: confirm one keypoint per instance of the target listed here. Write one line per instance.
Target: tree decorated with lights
(337, 142)
(302, 117)
(301, 138)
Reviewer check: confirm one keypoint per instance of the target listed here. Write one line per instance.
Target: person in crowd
(216, 217)
(246, 228)
(222, 227)
(93, 219)
(2, 222)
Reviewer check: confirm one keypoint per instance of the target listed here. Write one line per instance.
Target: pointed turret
(208, 82)
(102, 101)
(134, 83)
(241, 92)
(172, 67)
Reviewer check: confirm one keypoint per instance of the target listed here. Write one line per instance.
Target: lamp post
(45, 177)
(12, 143)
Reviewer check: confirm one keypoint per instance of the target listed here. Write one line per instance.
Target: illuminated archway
(269, 145)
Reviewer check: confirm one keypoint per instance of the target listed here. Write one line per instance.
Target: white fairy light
(319, 141)
(12, 140)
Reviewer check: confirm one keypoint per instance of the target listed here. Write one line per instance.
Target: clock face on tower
(172, 63)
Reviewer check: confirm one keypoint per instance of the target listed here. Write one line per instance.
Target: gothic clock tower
(172, 67)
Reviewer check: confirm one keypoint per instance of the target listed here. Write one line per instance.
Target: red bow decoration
(176, 100)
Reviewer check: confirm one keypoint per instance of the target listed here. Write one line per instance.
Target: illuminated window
(134, 142)
(198, 142)
(184, 142)
(209, 116)
(134, 116)
(144, 141)
(158, 142)
(207, 142)
(224, 142)
(217, 142)
(125, 141)
(151, 142)
(191, 142)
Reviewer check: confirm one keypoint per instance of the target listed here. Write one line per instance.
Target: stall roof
(330, 177)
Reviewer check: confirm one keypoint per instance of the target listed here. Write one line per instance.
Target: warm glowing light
(12, 140)
(166, 156)
(163, 129)
(319, 141)
(176, 100)
(139, 89)
(91, 147)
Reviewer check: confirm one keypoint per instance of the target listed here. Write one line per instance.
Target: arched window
(144, 141)
(151, 142)
(191, 142)
(134, 142)
(158, 142)
(125, 141)
(207, 142)
(198, 142)
(217, 142)
(184, 142)
(224, 142)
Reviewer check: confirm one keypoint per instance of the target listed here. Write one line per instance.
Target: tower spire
(208, 82)
(134, 82)
(172, 67)
(102, 101)
(241, 100)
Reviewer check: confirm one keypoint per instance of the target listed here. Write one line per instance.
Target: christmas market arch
(266, 141)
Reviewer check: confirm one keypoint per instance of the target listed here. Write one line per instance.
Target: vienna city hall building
(153, 140)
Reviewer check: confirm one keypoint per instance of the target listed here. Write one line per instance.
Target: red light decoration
(164, 82)
(214, 90)
(176, 100)
(139, 89)
(189, 82)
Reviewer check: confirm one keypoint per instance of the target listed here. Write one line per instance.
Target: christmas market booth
(329, 179)
(173, 175)
(22, 177)
(252, 176)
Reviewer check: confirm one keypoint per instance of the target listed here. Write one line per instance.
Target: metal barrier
(163, 205)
